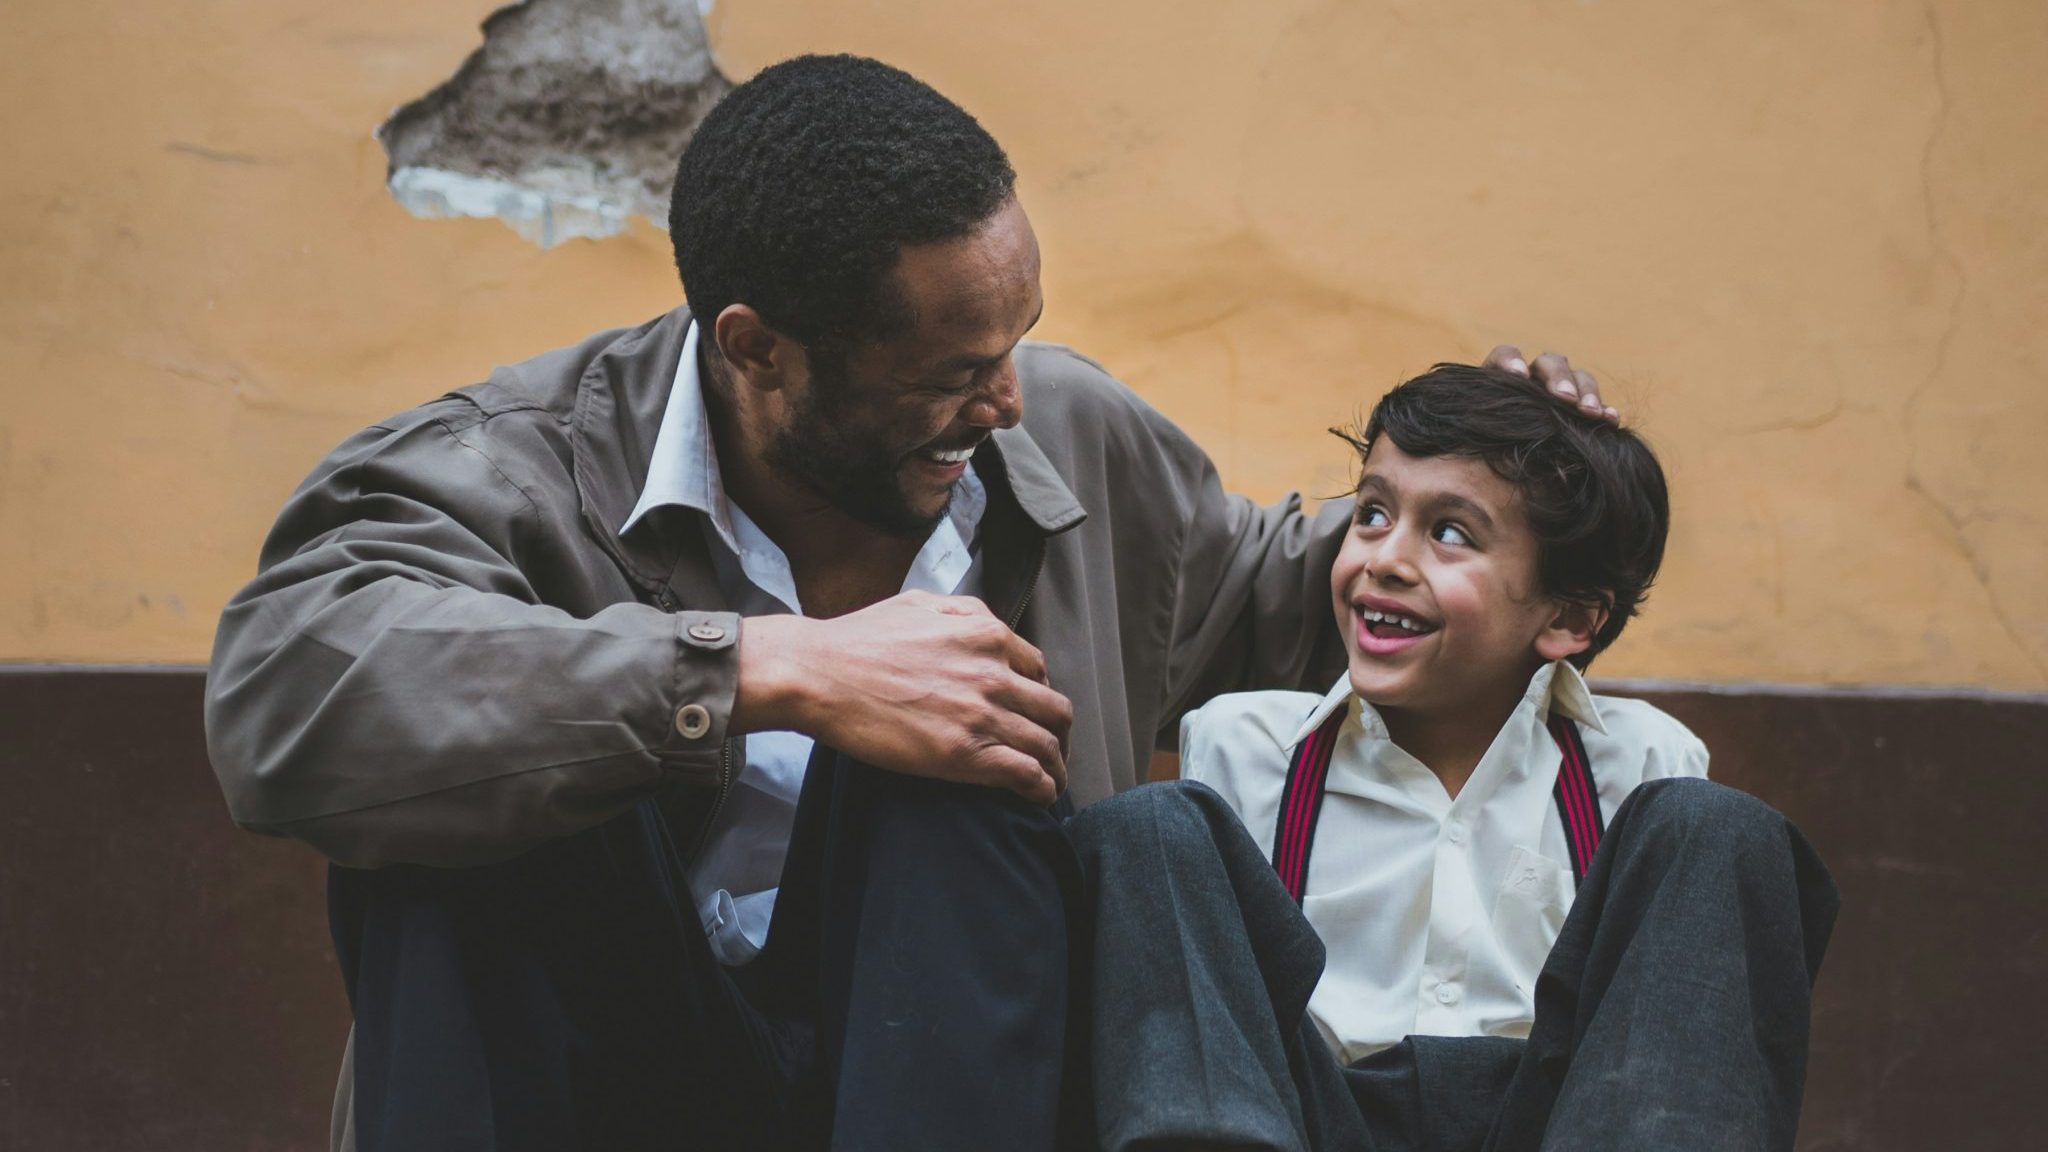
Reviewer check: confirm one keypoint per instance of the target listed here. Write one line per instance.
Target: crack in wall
(566, 122)
(1916, 481)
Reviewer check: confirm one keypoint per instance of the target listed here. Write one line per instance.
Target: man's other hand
(922, 684)
(1557, 374)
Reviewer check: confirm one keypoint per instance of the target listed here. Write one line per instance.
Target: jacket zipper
(1030, 588)
(703, 832)
(725, 775)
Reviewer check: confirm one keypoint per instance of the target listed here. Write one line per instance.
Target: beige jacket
(450, 654)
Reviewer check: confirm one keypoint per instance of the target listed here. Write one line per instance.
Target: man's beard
(848, 471)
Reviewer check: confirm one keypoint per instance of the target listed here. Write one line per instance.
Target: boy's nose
(1393, 561)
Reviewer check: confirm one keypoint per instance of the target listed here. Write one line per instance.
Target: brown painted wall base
(166, 981)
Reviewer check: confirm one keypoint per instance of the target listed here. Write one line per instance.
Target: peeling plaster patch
(567, 122)
(544, 217)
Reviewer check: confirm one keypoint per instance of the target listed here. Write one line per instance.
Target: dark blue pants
(1672, 1012)
(913, 991)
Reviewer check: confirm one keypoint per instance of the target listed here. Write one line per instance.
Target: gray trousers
(1672, 1012)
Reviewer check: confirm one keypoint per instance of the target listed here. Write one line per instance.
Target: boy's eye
(1451, 534)
(1372, 516)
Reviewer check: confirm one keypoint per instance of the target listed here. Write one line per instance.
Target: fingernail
(1517, 364)
(1567, 389)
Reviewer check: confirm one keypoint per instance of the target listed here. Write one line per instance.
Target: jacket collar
(620, 401)
(1040, 491)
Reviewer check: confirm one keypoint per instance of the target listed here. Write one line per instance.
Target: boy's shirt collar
(1557, 686)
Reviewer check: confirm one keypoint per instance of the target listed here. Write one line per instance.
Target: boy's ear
(1571, 631)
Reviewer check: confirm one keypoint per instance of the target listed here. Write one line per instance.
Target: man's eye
(1372, 516)
(959, 385)
(1452, 534)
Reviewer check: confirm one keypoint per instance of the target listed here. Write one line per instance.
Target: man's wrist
(772, 692)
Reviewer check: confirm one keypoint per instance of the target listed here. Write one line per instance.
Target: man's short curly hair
(1593, 492)
(802, 184)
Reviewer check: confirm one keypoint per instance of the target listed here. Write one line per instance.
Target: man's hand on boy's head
(1557, 374)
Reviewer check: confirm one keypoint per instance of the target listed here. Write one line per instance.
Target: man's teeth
(1389, 618)
(954, 457)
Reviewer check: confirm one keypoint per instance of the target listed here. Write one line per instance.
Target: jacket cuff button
(707, 633)
(693, 721)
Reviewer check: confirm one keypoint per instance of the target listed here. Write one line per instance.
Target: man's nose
(1000, 402)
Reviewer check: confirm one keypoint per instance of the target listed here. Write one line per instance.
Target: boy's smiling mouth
(1384, 627)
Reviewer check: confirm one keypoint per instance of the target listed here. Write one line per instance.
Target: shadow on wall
(567, 121)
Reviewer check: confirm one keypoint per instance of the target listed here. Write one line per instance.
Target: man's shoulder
(522, 409)
(1065, 391)
(1084, 419)
(548, 386)
(1044, 364)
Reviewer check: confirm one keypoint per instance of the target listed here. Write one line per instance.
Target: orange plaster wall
(1806, 245)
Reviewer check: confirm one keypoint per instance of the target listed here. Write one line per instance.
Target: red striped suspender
(1578, 801)
(1301, 801)
(1301, 804)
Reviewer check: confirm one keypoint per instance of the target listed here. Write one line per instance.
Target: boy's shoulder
(1643, 738)
(1242, 733)
(1237, 744)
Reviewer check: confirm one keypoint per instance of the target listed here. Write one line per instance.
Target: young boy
(1542, 926)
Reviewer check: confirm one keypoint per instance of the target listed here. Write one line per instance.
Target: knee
(1170, 802)
(1172, 818)
(1700, 815)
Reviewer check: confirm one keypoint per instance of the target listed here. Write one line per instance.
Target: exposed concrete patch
(565, 123)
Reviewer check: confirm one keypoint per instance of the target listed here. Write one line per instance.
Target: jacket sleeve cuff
(706, 679)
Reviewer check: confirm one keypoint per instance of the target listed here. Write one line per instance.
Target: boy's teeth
(1388, 618)
(953, 457)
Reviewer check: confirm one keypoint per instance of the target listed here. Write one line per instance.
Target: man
(543, 666)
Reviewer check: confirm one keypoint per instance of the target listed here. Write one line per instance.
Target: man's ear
(755, 355)
(1570, 631)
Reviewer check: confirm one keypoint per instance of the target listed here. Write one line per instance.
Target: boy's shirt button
(1447, 993)
(1456, 832)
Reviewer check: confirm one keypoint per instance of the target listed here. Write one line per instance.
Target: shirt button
(708, 633)
(1456, 832)
(1447, 993)
(693, 721)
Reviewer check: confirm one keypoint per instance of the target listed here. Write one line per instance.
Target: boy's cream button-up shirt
(1437, 912)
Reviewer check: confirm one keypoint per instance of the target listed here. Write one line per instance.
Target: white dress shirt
(735, 876)
(1437, 912)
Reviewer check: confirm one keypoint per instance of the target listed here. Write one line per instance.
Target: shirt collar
(683, 469)
(1565, 692)
(683, 472)
(1557, 686)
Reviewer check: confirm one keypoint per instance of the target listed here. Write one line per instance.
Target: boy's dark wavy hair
(1593, 492)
